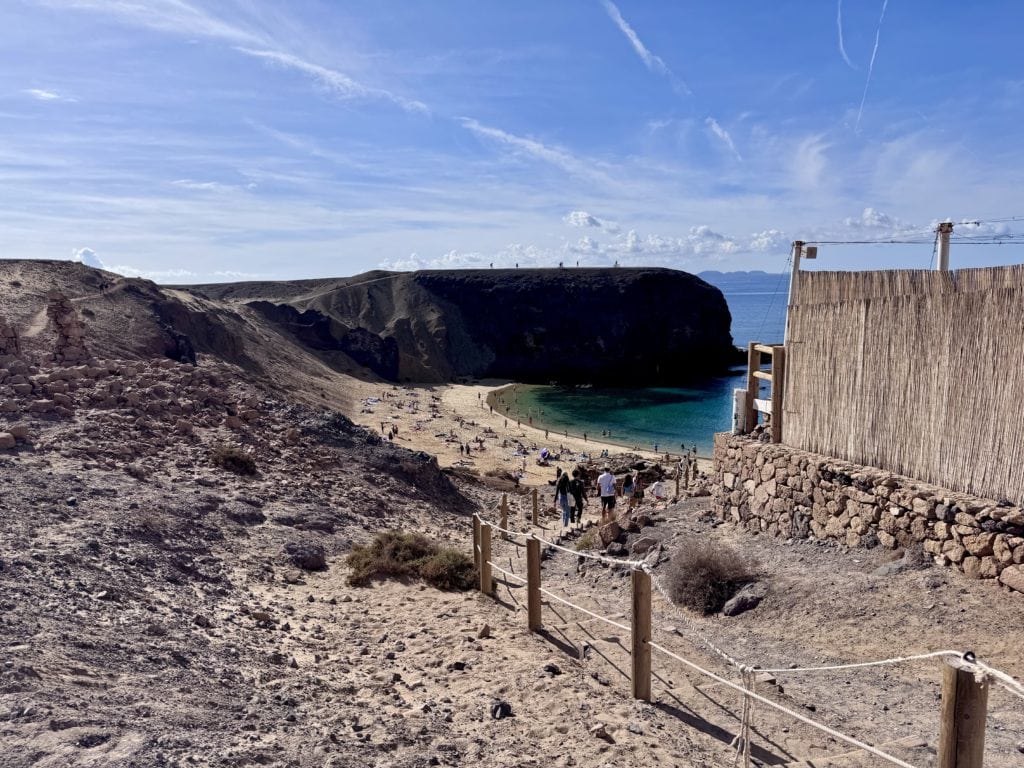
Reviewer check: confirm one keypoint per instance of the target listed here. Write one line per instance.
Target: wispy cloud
(723, 135)
(559, 158)
(871, 64)
(42, 95)
(175, 16)
(839, 26)
(337, 83)
(651, 61)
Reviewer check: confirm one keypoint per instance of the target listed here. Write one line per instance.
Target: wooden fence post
(778, 391)
(753, 364)
(686, 476)
(476, 542)
(641, 635)
(504, 515)
(964, 708)
(536, 506)
(486, 584)
(533, 584)
(679, 476)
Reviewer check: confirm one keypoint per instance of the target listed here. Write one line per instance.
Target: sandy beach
(440, 419)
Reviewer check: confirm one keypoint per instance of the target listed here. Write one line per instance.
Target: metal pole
(945, 230)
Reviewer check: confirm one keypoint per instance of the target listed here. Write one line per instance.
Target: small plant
(233, 459)
(406, 556)
(704, 574)
(589, 540)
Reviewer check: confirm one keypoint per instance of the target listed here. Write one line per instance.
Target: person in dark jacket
(578, 491)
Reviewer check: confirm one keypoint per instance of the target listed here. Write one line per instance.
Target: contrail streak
(871, 64)
(839, 26)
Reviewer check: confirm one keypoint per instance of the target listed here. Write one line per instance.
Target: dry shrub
(704, 574)
(589, 540)
(407, 556)
(233, 459)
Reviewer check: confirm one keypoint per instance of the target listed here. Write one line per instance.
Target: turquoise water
(664, 416)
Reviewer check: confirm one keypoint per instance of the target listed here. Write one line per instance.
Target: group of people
(571, 493)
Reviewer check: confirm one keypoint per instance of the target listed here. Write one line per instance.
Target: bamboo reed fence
(918, 372)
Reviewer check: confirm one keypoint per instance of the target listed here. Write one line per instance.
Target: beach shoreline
(440, 419)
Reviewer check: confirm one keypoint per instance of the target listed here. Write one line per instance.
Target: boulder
(7, 441)
(1013, 577)
(609, 532)
(307, 555)
(746, 599)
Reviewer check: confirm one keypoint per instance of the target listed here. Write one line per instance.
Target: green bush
(704, 574)
(233, 459)
(408, 556)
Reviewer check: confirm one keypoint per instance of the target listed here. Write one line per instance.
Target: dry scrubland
(173, 591)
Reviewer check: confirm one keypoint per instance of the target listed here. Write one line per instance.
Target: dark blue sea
(664, 416)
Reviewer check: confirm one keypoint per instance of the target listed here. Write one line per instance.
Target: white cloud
(723, 135)
(871, 219)
(584, 219)
(652, 62)
(86, 256)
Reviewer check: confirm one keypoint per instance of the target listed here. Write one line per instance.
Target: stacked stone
(770, 488)
(70, 347)
(9, 344)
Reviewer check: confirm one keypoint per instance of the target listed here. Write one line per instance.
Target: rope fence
(965, 679)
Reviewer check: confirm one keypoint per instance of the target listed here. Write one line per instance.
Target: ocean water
(664, 416)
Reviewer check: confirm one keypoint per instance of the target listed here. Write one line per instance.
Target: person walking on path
(627, 489)
(606, 487)
(578, 490)
(562, 496)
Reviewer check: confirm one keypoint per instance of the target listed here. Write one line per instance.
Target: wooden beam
(533, 618)
(763, 375)
(762, 406)
(764, 349)
(641, 635)
(964, 707)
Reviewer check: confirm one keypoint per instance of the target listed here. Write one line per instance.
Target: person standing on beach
(562, 496)
(606, 487)
(578, 489)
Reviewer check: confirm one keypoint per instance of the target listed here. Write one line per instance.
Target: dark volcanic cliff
(602, 326)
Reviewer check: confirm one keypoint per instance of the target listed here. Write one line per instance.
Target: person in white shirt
(606, 485)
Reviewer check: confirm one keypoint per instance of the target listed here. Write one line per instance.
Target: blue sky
(187, 141)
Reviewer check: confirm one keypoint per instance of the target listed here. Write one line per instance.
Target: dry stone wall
(774, 489)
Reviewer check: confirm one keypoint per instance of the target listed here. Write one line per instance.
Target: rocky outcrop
(575, 326)
(70, 345)
(775, 489)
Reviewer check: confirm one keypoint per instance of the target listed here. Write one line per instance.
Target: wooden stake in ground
(476, 542)
(641, 635)
(536, 506)
(964, 708)
(533, 584)
(504, 515)
(486, 583)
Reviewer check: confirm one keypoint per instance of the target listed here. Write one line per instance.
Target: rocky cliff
(602, 326)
